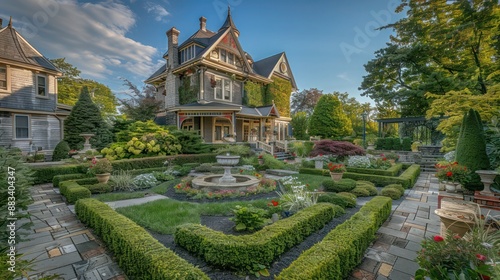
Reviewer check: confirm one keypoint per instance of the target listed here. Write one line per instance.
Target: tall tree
(85, 117)
(304, 101)
(142, 104)
(299, 124)
(440, 47)
(70, 85)
(329, 120)
(354, 111)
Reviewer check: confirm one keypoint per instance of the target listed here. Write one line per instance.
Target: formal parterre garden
(303, 226)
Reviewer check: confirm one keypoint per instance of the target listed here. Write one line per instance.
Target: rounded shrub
(344, 185)
(61, 151)
(396, 186)
(99, 188)
(360, 192)
(350, 199)
(333, 199)
(370, 187)
(391, 192)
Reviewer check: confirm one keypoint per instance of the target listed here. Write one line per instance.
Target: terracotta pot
(336, 176)
(103, 178)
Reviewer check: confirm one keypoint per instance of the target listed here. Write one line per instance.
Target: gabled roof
(264, 67)
(201, 37)
(15, 48)
(157, 73)
(229, 22)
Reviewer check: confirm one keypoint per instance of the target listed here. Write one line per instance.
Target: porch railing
(265, 147)
(282, 145)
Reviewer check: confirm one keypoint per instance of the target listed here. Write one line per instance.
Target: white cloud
(158, 10)
(92, 36)
(344, 77)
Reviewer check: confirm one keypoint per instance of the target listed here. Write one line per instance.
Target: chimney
(203, 23)
(173, 44)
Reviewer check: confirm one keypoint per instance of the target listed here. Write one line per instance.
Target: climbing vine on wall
(188, 92)
(279, 91)
(254, 94)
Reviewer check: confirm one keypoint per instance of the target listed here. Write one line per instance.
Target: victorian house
(209, 84)
(30, 117)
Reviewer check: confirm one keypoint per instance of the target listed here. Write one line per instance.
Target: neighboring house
(30, 117)
(209, 84)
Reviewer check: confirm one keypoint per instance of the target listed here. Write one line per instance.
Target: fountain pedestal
(227, 162)
(86, 145)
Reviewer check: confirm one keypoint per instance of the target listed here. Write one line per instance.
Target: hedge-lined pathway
(60, 244)
(393, 253)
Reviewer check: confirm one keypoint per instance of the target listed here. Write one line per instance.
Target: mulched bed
(183, 197)
(222, 223)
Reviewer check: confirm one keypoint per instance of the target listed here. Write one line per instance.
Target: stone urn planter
(452, 187)
(336, 176)
(103, 178)
(487, 178)
(457, 222)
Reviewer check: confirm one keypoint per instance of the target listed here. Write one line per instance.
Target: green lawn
(163, 216)
(314, 181)
(160, 189)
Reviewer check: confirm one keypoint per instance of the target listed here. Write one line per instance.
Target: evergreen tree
(471, 148)
(328, 119)
(85, 117)
(299, 123)
(61, 151)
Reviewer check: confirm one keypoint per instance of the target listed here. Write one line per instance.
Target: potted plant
(452, 256)
(452, 174)
(336, 170)
(101, 168)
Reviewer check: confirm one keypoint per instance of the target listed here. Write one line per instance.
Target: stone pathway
(58, 243)
(393, 253)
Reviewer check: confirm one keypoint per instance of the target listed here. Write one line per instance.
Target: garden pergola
(417, 128)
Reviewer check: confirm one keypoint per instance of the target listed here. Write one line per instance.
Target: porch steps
(283, 155)
(428, 162)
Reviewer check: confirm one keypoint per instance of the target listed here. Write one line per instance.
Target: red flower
(438, 238)
(384, 159)
(456, 236)
(449, 174)
(275, 203)
(260, 156)
(241, 170)
(481, 257)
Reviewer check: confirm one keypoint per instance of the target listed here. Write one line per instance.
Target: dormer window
(4, 78)
(188, 53)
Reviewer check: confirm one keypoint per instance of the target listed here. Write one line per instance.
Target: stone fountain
(227, 181)
(86, 145)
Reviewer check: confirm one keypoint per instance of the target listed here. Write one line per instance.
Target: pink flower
(438, 238)
(481, 257)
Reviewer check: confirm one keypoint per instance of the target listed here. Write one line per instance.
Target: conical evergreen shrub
(471, 148)
(61, 151)
(86, 117)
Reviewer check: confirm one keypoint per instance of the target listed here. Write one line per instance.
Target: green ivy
(254, 94)
(188, 93)
(280, 91)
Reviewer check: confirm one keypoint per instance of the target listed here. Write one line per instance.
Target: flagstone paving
(58, 243)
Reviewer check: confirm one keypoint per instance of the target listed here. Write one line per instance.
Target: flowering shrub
(454, 257)
(358, 162)
(453, 172)
(145, 181)
(336, 168)
(101, 166)
(340, 149)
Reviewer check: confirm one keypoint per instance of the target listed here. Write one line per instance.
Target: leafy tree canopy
(142, 104)
(70, 85)
(328, 119)
(440, 47)
(304, 101)
(299, 124)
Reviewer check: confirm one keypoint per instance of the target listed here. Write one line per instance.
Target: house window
(188, 53)
(21, 126)
(41, 85)
(4, 78)
(223, 89)
(227, 57)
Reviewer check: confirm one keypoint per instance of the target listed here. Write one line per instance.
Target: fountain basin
(227, 160)
(213, 183)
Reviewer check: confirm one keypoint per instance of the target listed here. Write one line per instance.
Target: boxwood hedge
(343, 248)
(260, 248)
(138, 253)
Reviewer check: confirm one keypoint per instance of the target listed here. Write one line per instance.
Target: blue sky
(326, 43)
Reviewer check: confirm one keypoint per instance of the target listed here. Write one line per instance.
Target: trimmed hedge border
(138, 253)
(45, 174)
(392, 171)
(73, 191)
(66, 177)
(244, 251)
(343, 248)
(407, 179)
